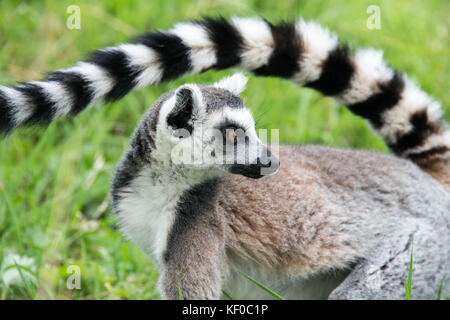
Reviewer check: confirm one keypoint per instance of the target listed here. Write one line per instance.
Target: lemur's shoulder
(325, 205)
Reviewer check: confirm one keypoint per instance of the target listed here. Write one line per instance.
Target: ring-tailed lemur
(325, 216)
(329, 221)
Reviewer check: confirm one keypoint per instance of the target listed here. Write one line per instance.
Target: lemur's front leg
(195, 259)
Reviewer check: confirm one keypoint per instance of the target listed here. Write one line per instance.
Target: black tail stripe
(337, 72)
(173, 53)
(227, 40)
(82, 93)
(117, 64)
(422, 129)
(428, 153)
(43, 107)
(283, 61)
(374, 106)
(6, 119)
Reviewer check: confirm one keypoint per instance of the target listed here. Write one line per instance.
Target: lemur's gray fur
(329, 223)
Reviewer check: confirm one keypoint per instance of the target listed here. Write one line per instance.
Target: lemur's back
(327, 207)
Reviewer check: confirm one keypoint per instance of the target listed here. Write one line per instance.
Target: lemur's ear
(188, 100)
(235, 83)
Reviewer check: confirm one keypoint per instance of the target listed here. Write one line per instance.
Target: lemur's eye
(231, 135)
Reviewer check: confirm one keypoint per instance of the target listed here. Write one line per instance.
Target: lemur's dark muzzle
(265, 165)
(269, 165)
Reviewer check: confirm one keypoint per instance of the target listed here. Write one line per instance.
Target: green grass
(408, 281)
(54, 183)
(180, 294)
(261, 286)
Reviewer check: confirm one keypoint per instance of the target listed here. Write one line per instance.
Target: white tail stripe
(258, 42)
(317, 43)
(99, 80)
(58, 94)
(143, 58)
(202, 49)
(370, 71)
(433, 141)
(396, 121)
(21, 107)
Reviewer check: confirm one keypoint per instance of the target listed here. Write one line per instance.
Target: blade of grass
(408, 282)
(29, 290)
(180, 294)
(227, 295)
(440, 289)
(116, 259)
(263, 287)
(16, 222)
(5, 290)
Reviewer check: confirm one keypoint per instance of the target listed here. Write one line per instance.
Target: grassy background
(54, 183)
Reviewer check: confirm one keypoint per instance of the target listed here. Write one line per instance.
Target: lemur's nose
(270, 164)
(265, 160)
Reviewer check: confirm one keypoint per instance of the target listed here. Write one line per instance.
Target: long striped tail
(303, 52)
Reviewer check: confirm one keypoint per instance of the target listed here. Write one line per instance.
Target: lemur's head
(207, 129)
